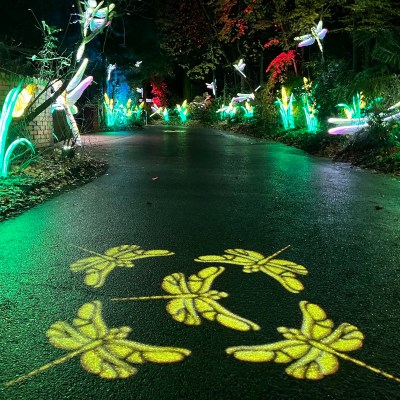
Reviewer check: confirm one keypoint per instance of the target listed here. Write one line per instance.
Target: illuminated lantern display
(94, 19)
(212, 86)
(356, 118)
(310, 108)
(14, 106)
(183, 111)
(66, 101)
(317, 33)
(286, 109)
(240, 67)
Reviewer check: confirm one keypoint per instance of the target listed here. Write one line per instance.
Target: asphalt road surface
(168, 277)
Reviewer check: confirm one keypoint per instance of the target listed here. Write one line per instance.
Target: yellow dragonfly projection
(282, 270)
(99, 266)
(104, 352)
(314, 349)
(193, 297)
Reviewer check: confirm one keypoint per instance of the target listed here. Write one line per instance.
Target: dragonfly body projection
(313, 350)
(191, 298)
(317, 33)
(105, 352)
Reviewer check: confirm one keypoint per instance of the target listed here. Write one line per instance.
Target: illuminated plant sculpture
(310, 106)
(286, 109)
(183, 111)
(313, 350)
(193, 297)
(227, 112)
(357, 117)
(14, 106)
(248, 110)
(163, 112)
(103, 351)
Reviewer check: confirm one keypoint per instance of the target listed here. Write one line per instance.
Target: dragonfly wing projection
(283, 271)
(314, 349)
(104, 352)
(195, 299)
(99, 266)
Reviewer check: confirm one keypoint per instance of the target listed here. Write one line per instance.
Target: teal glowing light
(183, 111)
(227, 112)
(286, 109)
(356, 110)
(163, 112)
(310, 108)
(248, 110)
(5, 121)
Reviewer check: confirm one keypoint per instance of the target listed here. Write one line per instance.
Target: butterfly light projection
(104, 352)
(240, 67)
(193, 298)
(99, 266)
(282, 270)
(314, 349)
(317, 33)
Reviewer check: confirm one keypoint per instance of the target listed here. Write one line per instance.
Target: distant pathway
(197, 244)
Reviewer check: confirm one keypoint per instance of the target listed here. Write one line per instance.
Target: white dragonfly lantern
(317, 33)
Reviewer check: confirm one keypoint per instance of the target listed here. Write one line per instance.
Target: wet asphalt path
(198, 192)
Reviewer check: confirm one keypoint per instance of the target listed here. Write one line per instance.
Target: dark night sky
(19, 23)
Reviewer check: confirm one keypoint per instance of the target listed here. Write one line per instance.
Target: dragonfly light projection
(314, 350)
(317, 34)
(193, 298)
(240, 67)
(14, 105)
(104, 352)
(137, 64)
(282, 270)
(99, 266)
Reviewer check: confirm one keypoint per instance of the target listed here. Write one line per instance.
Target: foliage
(279, 66)
(50, 63)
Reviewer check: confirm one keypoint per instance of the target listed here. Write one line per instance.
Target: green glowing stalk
(5, 121)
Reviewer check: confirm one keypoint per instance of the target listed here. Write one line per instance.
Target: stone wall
(41, 128)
